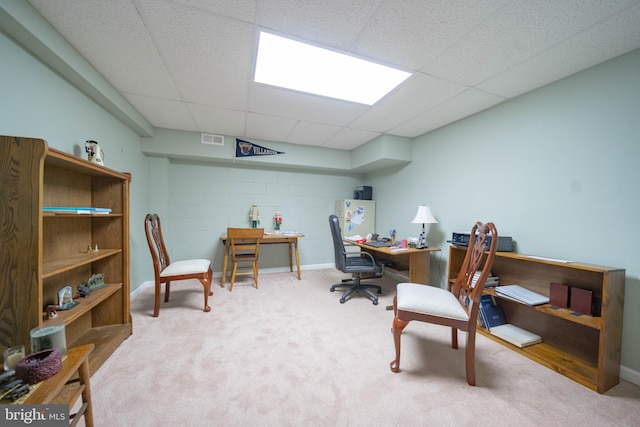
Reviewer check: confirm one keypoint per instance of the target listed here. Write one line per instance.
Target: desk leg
(290, 257)
(85, 376)
(295, 243)
(224, 264)
(419, 266)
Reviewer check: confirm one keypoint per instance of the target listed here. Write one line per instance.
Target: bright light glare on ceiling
(298, 66)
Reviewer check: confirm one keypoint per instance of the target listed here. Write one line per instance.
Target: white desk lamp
(423, 216)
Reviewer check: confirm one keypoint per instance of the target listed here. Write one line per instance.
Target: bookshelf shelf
(584, 348)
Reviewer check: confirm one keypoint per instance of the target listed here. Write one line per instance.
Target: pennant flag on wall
(249, 149)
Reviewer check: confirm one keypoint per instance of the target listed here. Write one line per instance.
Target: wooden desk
(269, 238)
(60, 390)
(415, 260)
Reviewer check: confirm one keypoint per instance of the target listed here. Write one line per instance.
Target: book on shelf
(515, 335)
(491, 282)
(486, 300)
(492, 316)
(494, 320)
(518, 293)
(75, 210)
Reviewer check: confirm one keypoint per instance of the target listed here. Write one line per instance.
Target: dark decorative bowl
(39, 366)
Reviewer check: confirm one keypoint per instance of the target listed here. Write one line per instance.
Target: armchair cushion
(191, 266)
(427, 299)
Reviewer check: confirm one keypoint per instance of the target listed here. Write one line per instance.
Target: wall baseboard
(630, 375)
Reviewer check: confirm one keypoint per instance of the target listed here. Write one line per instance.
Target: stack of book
(492, 281)
(493, 319)
(75, 210)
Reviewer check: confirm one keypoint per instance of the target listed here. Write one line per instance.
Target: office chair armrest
(362, 254)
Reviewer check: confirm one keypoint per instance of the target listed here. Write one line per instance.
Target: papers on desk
(398, 250)
(353, 238)
(281, 233)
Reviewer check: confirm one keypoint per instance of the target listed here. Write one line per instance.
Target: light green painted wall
(556, 169)
(39, 103)
(197, 201)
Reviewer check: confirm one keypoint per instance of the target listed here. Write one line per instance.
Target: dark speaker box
(363, 193)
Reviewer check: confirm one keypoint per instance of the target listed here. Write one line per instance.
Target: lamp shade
(424, 216)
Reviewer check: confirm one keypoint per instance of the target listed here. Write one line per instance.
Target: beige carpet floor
(289, 354)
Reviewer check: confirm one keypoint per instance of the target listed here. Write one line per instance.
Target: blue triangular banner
(249, 149)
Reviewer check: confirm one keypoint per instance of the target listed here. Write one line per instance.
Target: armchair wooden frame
(166, 271)
(457, 309)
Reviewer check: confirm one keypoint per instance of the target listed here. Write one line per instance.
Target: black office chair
(355, 264)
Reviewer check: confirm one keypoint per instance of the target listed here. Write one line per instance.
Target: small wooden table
(62, 389)
(269, 238)
(417, 260)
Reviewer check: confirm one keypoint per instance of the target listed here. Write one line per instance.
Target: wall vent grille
(210, 139)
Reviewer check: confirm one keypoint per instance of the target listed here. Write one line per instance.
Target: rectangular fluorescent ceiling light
(293, 65)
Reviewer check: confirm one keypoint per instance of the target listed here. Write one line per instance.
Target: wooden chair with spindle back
(457, 309)
(166, 271)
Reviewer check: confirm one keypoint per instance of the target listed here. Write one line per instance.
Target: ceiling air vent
(207, 138)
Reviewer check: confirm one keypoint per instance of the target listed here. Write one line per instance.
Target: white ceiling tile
(520, 30)
(307, 133)
(421, 91)
(267, 99)
(268, 128)
(112, 37)
(218, 120)
(327, 23)
(463, 105)
(408, 33)
(606, 40)
(210, 57)
(349, 138)
(243, 10)
(162, 113)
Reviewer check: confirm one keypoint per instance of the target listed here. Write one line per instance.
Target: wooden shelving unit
(584, 348)
(43, 252)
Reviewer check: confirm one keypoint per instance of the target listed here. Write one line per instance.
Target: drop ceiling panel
(327, 23)
(307, 133)
(520, 30)
(606, 40)
(112, 37)
(421, 91)
(349, 138)
(209, 57)
(269, 128)
(243, 10)
(188, 64)
(218, 120)
(162, 113)
(409, 33)
(271, 100)
(463, 105)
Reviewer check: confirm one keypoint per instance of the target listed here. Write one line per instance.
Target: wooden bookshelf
(585, 348)
(44, 251)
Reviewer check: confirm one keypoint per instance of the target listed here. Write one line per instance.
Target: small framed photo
(65, 298)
